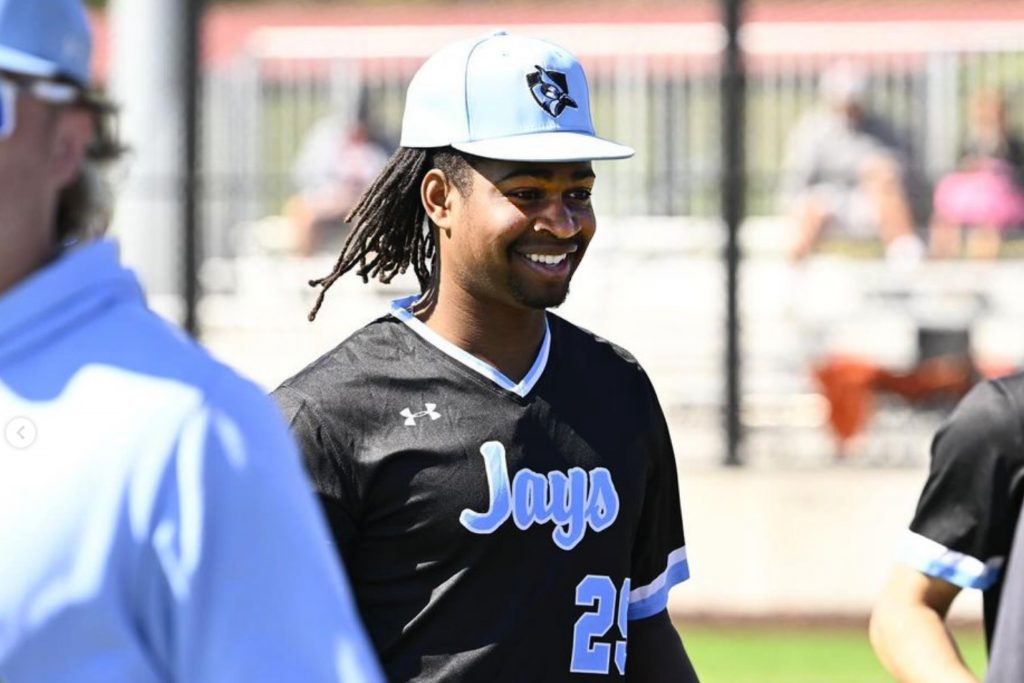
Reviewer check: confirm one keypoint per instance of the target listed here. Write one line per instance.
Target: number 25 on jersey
(600, 593)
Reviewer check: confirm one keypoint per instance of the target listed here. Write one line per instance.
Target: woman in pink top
(986, 195)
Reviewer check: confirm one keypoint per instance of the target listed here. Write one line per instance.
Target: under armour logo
(551, 90)
(410, 417)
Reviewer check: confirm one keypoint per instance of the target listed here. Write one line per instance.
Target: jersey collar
(401, 309)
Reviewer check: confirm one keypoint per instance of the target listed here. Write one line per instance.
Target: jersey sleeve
(320, 452)
(659, 551)
(964, 522)
(250, 588)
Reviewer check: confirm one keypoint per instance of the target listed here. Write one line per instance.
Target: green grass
(790, 654)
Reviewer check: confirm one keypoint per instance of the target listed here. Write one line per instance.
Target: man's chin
(542, 300)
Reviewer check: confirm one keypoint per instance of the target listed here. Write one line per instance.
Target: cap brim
(550, 146)
(19, 62)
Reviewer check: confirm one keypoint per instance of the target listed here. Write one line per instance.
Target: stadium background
(789, 550)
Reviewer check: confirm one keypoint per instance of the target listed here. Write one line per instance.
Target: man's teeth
(546, 260)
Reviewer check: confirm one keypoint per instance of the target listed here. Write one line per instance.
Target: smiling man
(500, 483)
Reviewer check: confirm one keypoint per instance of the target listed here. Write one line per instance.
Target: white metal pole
(146, 80)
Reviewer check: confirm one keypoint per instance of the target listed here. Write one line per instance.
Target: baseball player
(500, 483)
(960, 536)
(156, 522)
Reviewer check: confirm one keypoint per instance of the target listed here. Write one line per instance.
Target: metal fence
(655, 86)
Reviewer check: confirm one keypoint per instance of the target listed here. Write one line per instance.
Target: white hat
(505, 97)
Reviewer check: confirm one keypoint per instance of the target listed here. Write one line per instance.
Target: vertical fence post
(733, 192)
(191, 195)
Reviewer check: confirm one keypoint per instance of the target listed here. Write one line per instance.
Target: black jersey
(1006, 665)
(966, 517)
(492, 530)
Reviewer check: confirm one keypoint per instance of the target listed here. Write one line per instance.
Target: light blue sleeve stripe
(958, 575)
(657, 601)
(934, 559)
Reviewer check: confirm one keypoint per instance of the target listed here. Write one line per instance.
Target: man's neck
(21, 256)
(506, 337)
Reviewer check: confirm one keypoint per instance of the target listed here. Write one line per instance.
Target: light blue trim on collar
(400, 308)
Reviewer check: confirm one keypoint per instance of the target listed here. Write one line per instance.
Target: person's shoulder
(160, 389)
(133, 344)
(581, 347)
(988, 420)
(589, 342)
(370, 353)
(161, 351)
(993, 402)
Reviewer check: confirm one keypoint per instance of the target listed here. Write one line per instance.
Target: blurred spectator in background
(338, 160)
(986, 194)
(844, 170)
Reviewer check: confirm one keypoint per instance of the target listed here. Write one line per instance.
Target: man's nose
(558, 219)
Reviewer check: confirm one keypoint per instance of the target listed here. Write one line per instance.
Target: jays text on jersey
(492, 530)
(967, 514)
(156, 524)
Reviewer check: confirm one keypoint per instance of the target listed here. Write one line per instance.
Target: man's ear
(73, 131)
(437, 193)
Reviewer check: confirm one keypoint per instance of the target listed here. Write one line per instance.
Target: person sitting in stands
(986, 194)
(336, 164)
(844, 171)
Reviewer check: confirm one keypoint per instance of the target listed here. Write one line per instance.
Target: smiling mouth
(546, 259)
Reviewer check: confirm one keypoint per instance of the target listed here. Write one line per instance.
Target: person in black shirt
(960, 536)
(500, 483)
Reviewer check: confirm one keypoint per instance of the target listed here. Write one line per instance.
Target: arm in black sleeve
(321, 455)
(969, 503)
(656, 652)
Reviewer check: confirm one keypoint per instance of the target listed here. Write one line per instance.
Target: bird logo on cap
(551, 90)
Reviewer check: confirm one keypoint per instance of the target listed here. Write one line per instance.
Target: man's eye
(581, 195)
(525, 195)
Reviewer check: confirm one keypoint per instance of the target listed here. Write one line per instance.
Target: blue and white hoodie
(155, 521)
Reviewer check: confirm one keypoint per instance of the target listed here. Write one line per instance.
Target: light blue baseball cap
(508, 97)
(45, 38)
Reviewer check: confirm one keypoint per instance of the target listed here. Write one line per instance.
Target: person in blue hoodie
(155, 521)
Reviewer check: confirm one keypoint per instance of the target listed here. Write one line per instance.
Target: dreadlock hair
(390, 230)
